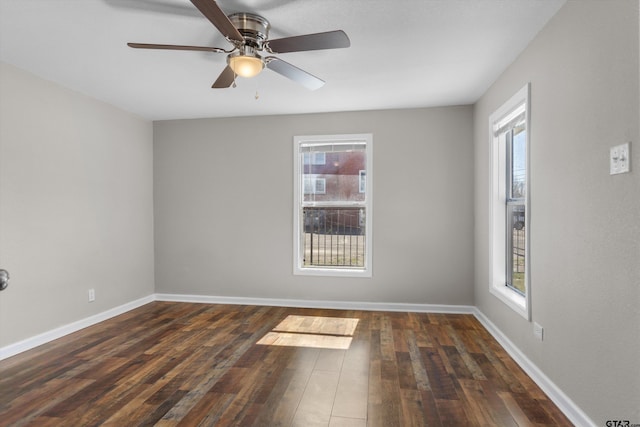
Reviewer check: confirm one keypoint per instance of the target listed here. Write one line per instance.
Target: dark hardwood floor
(185, 364)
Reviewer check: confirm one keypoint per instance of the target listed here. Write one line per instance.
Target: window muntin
(509, 231)
(332, 227)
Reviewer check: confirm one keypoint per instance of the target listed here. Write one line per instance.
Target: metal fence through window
(334, 237)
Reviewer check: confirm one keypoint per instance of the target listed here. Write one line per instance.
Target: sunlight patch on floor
(306, 340)
(312, 331)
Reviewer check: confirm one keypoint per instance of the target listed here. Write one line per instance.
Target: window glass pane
(338, 179)
(516, 245)
(334, 237)
(518, 163)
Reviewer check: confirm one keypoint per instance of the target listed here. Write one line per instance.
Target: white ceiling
(403, 54)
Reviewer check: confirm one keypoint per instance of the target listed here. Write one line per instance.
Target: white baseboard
(562, 401)
(35, 341)
(337, 305)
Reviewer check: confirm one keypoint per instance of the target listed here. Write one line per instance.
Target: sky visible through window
(519, 163)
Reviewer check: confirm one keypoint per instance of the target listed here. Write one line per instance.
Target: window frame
(500, 202)
(299, 204)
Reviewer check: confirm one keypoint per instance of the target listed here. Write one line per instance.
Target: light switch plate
(619, 161)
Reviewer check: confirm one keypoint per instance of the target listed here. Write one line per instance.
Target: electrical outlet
(619, 159)
(92, 295)
(537, 331)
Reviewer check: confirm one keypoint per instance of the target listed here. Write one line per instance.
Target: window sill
(514, 300)
(332, 272)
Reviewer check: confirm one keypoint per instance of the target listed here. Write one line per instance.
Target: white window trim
(298, 187)
(521, 304)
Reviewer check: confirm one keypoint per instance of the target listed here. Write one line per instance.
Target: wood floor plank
(357, 357)
(238, 408)
(512, 406)
(169, 364)
(497, 406)
(406, 376)
(508, 376)
(374, 401)
(36, 401)
(387, 346)
(400, 341)
(85, 397)
(347, 422)
(142, 404)
(557, 417)
(461, 348)
(492, 348)
(431, 415)
(452, 413)
(317, 400)
(532, 409)
(412, 411)
(474, 403)
(419, 372)
(351, 395)
(454, 359)
(270, 372)
(44, 422)
(286, 404)
(441, 383)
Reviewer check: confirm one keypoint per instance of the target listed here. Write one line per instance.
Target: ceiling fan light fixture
(246, 65)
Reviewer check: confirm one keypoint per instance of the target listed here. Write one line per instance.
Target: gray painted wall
(224, 206)
(585, 229)
(76, 208)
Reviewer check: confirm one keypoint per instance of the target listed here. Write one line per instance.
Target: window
(509, 230)
(362, 183)
(314, 159)
(332, 205)
(314, 185)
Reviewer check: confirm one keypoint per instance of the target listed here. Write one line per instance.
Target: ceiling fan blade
(294, 73)
(329, 40)
(211, 10)
(225, 79)
(176, 47)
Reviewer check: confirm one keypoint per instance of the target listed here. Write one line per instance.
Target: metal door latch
(4, 279)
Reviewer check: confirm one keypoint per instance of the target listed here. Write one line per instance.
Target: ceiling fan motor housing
(254, 28)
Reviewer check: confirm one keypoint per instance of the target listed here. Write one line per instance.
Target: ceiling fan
(249, 35)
